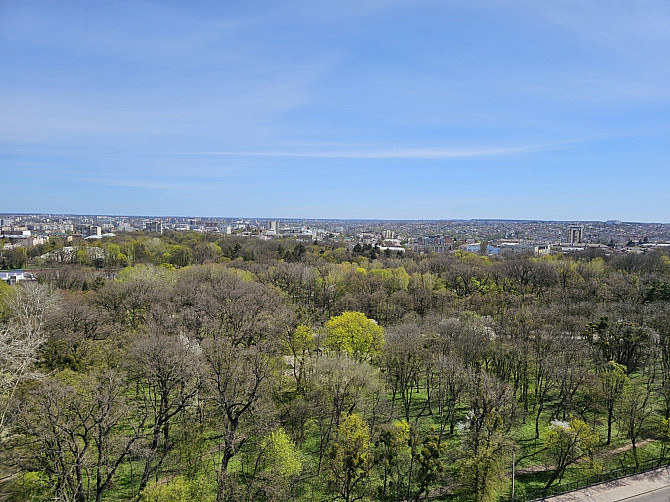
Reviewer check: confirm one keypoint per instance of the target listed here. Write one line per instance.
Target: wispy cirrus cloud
(142, 183)
(427, 153)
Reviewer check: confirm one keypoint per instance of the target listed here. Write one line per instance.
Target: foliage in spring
(280, 455)
(568, 442)
(354, 334)
(350, 458)
(202, 367)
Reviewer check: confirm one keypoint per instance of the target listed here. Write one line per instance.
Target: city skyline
(301, 218)
(372, 110)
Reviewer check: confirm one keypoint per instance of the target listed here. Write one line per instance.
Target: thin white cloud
(614, 22)
(152, 185)
(394, 153)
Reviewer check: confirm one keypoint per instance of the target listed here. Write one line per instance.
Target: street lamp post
(513, 468)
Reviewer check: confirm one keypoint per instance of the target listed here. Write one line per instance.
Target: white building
(14, 276)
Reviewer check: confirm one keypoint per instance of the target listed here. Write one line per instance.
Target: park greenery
(196, 367)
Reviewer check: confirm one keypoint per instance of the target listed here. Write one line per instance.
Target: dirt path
(541, 468)
(626, 447)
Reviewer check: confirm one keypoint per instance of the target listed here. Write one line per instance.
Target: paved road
(658, 495)
(653, 486)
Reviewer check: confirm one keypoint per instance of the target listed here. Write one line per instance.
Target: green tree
(485, 444)
(392, 458)
(354, 334)
(272, 472)
(180, 256)
(338, 386)
(178, 489)
(82, 257)
(113, 255)
(280, 455)
(6, 294)
(14, 258)
(633, 412)
(426, 465)
(612, 380)
(483, 471)
(351, 458)
(566, 443)
(624, 342)
(663, 434)
(299, 342)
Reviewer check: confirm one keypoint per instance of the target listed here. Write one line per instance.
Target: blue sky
(337, 109)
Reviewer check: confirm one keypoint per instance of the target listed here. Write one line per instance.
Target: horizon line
(538, 220)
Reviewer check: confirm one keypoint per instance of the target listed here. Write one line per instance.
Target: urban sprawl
(490, 237)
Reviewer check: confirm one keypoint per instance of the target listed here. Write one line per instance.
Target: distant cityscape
(489, 236)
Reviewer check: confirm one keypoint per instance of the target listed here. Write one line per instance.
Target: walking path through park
(651, 486)
(540, 468)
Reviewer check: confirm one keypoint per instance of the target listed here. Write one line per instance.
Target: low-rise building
(154, 226)
(13, 276)
(432, 244)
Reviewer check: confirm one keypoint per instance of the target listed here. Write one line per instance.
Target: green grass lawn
(532, 467)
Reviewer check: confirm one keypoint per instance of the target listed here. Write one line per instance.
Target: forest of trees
(189, 367)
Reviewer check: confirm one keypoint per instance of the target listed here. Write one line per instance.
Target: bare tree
(166, 369)
(451, 384)
(20, 340)
(404, 360)
(238, 381)
(486, 442)
(340, 385)
(72, 331)
(79, 434)
(634, 411)
(218, 303)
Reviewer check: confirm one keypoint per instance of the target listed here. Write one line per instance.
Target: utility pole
(513, 467)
